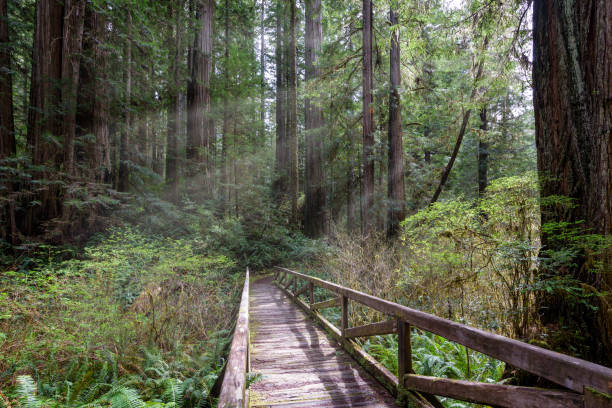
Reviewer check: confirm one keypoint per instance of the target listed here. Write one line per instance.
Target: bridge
(284, 353)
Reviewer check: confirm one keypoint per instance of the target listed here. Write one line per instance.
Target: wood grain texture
(300, 365)
(572, 373)
(373, 329)
(233, 390)
(495, 394)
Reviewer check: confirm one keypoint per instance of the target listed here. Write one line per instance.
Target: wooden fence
(586, 384)
(234, 393)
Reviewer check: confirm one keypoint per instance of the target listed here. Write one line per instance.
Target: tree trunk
(396, 193)
(483, 154)
(572, 74)
(124, 143)
(262, 63)
(72, 41)
(197, 138)
(174, 107)
(7, 126)
(292, 137)
(279, 186)
(314, 211)
(367, 182)
(226, 113)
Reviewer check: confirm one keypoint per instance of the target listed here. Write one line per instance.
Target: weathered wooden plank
(233, 390)
(344, 318)
(372, 329)
(404, 349)
(570, 372)
(325, 304)
(594, 399)
(304, 289)
(493, 394)
(300, 365)
(369, 363)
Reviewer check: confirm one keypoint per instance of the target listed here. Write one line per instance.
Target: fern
(26, 390)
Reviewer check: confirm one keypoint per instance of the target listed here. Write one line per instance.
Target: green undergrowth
(139, 319)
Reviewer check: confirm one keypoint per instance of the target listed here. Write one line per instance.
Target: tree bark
(367, 182)
(7, 126)
(396, 193)
(572, 73)
(72, 41)
(292, 137)
(483, 154)
(279, 186)
(124, 143)
(262, 64)
(314, 211)
(225, 177)
(198, 138)
(174, 107)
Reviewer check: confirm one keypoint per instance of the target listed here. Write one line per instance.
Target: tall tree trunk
(100, 118)
(281, 124)
(197, 138)
(292, 137)
(395, 193)
(262, 64)
(483, 153)
(72, 41)
(124, 143)
(207, 54)
(174, 107)
(43, 113)
(7, 126)
(367, 182)
(572, 74)
(8, 228)
(314, 211)
(226, 113)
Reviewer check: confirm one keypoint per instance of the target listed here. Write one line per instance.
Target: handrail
(233, 389)
(573, 373)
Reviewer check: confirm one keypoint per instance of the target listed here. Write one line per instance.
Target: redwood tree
(7, 127)
(368, 122)
(396, 193)
(572, 73)
(314, 215)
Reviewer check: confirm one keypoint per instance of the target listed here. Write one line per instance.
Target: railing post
(311, 293)
(344, 323)
(404, 351)
(294, 286)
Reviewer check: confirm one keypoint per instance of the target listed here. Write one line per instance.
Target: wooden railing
(587, 385)
(234, 393)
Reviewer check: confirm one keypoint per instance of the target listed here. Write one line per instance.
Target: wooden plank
(344, 318)
(325, 304)
(594, 399)
(233, 390)
(311, 292)
(570, 372)
(404, 349)
(494, 394)
(300, 365)
(304, 289)
(372, 329)
(369, 363)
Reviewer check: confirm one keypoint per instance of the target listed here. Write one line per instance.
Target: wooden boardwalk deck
(299, 365)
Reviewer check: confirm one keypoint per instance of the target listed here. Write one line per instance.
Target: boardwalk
(299, 365)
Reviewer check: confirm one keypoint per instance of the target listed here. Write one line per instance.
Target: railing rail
(234, 393)
(589, 383)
